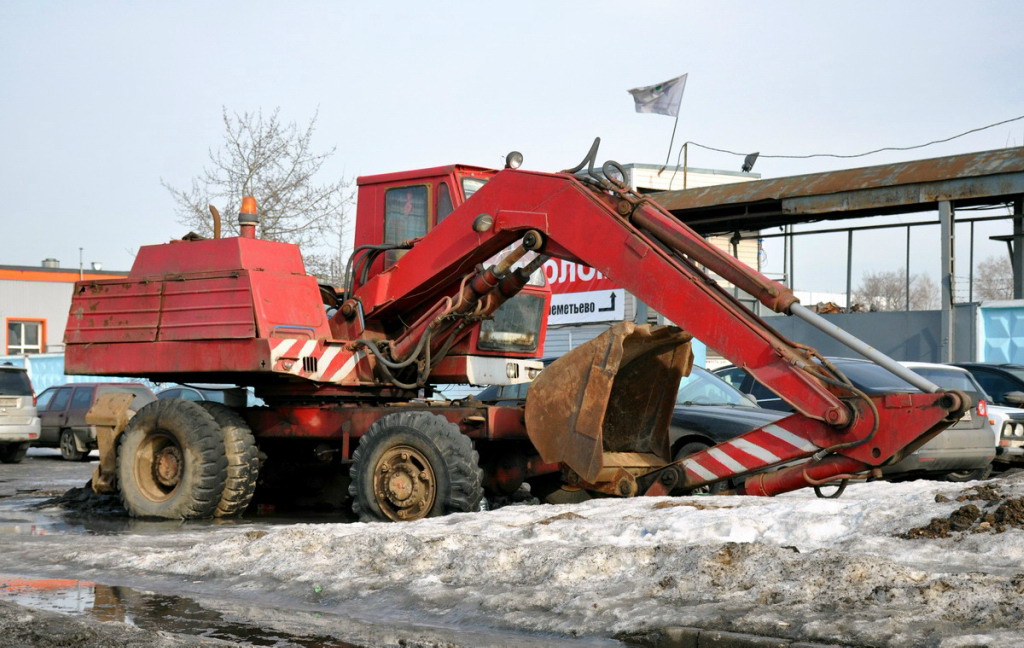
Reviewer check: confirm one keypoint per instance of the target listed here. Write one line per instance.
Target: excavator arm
(603, 410)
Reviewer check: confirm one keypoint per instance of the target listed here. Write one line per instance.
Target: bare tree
(275, 162)
(994, 279)
(887, 291)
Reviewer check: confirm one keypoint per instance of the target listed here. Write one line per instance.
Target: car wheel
(69, 448)
(414, 465)
(969, 475)
(243, 460)
(170, 462)
(694, 447)
(12, 453)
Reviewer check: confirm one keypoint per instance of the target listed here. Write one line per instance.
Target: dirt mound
(86, 502)
(999, 513)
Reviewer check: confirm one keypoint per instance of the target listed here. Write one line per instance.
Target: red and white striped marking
(757, 449)
(334, 363)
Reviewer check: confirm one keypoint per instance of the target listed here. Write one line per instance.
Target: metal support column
(906, 278)
(970, 271)
(792, 253)
(946, 219)
(849, 271)
(1017, 249)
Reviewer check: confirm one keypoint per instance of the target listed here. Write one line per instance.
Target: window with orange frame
(26, 336)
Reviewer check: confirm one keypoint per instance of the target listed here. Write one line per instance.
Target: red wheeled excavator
(441, 288)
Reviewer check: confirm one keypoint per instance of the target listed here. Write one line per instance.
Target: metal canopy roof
(989, 177)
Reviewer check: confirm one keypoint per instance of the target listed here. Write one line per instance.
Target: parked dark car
(962, 452)
(708, 411)
(19, 423)
(62, 413)
(1004, 383)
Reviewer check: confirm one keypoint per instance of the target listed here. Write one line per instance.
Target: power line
(857, 155)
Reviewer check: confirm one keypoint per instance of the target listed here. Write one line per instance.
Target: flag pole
(671, 141)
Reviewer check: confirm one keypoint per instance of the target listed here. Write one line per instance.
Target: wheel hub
(167, 466)
(404, 484)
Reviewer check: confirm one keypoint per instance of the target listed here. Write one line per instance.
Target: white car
(19, 421)
(1008, 428)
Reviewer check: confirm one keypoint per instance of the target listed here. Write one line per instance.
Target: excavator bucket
(609, 397)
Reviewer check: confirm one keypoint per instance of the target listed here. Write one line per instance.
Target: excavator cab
(396, 211)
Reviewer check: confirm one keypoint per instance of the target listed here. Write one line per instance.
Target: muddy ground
(23, 627)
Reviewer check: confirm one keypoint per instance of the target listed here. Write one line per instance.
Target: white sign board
(591, 306)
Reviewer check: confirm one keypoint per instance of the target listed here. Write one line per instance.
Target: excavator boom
(594, 410)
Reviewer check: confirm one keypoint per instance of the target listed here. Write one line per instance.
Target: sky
(101, 101)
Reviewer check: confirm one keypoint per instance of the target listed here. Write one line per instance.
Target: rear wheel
(69, 447)
(242, 457)
(170, 461)
(414, 465)
(13, 453)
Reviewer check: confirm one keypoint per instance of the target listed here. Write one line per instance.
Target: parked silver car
(19, 422)
(962, 452)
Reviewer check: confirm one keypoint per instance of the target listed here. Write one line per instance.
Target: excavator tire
(413, 465)
(243, 460)
(170, 462)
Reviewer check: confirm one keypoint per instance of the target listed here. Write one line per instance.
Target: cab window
(444, 202)
(405, 217)
(405, 214)
(470, 185)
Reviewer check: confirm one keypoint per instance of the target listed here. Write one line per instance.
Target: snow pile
(792, 566)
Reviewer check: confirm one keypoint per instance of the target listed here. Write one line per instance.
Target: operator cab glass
(470, 185)
(517, 323)
(405, 217)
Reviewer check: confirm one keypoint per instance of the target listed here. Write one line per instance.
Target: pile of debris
(996, 513)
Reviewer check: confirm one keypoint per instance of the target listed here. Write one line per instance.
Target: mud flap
(610, 396)
(108, 415)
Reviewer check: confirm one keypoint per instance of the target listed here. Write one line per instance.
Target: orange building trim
(53, 277)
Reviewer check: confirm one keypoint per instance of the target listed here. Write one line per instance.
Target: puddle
(146, 610)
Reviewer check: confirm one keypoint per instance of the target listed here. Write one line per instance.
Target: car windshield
(704, 388)
(15, 383)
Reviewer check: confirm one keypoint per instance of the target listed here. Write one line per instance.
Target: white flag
(663, 98)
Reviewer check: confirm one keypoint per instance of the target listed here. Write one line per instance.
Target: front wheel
(170, 462)
(413, 465)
